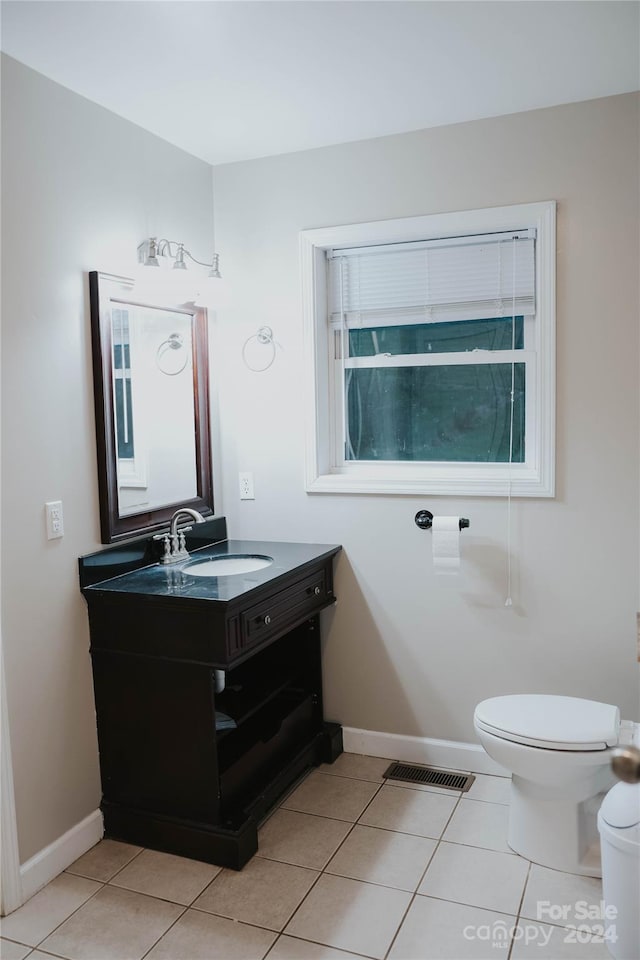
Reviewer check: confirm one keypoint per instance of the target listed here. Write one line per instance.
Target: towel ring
(173, 342)
(264, 336)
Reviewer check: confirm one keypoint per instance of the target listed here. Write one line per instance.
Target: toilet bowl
(558, 752)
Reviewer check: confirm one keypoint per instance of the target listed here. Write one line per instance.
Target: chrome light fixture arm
(152, 248)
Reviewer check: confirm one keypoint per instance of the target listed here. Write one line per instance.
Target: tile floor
(348, 866)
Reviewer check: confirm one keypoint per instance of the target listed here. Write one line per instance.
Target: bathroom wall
(80, 189)
(405, 651)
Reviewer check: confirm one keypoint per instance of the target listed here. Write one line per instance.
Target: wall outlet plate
(245, 479)
(55, 519)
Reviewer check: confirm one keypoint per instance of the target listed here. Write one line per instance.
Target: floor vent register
(447, 779)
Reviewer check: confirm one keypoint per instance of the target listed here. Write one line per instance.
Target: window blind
(463, 278)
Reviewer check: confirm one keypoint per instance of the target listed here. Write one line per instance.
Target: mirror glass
(152, 408)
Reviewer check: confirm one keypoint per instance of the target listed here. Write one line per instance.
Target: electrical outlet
(246, 485)
(55, 519)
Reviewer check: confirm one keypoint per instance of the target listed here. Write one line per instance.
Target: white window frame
(535, 478)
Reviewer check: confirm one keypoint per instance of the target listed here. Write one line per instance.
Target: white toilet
(558, 752)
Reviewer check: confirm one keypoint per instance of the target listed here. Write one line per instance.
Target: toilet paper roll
(446, 544)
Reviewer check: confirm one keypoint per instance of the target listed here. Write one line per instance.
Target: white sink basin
(226, 566)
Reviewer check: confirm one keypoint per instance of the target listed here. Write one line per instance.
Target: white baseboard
(55, 858)
(451, 754)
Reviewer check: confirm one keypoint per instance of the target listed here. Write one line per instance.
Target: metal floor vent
(448, 779)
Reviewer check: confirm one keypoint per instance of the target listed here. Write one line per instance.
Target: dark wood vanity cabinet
(187, 768)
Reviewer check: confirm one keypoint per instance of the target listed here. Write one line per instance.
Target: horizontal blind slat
(450, 280)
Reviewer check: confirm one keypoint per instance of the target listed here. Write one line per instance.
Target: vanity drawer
(280, 611)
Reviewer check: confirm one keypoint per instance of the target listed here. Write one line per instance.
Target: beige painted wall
(80, 189)
(407, 652)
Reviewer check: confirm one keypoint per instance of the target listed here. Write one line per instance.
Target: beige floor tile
(104, 860)
(341, 798)
(12, 951)
(381, 856)
(290, 948)
(264, 892)
(479, 824)
(166, 876)
(422, 813)
(490, 789)
(301, 839)
(540, 941)
(350, 915)
(199, 936)
(480, 878)
(114, 925)
(356, 766)
(438, 930)
(40, 915)
(551, 896)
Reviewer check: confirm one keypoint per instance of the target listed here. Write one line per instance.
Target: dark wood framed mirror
(151, 391)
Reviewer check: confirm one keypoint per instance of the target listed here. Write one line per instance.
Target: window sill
(496, 485)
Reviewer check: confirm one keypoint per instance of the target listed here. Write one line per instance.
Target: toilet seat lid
(550, 722)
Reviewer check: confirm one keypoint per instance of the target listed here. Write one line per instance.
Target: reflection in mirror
(152, 416)
(154, 409)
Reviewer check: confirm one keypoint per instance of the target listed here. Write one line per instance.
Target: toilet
(557, 750)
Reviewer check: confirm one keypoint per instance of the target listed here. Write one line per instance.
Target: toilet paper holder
(424, 520)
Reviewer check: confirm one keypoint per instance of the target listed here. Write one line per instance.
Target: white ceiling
(234, 80)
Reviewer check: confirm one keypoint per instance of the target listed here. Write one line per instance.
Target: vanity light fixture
(152, 250)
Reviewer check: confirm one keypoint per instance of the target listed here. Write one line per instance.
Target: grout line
(463, 903)
(18, 943)
(109, 879)
(399, 927)
(322, 872)
(73, 912)
(516, 924)
(415, 892)
(56, 956)
(124, 866)
(318, 943)
(165, 932)
(221, 916)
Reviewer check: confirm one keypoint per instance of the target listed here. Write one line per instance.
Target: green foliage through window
(444, 412)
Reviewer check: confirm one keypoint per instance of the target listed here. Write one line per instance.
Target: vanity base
(230, 844)
(224, 846)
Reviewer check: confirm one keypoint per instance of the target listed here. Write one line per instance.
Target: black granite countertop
(175, 580)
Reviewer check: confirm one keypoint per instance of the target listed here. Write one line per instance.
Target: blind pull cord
(509, 601)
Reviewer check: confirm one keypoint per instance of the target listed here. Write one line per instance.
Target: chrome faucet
(174, 542)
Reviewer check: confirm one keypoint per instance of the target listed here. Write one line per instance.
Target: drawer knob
(317, 591)
(267, 619)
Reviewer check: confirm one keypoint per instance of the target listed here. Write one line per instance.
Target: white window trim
(455, 479)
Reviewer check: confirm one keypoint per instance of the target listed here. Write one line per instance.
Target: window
(122, 384)
(430, 345)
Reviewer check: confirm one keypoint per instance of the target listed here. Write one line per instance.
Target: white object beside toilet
(558, 751)
(619, 826)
